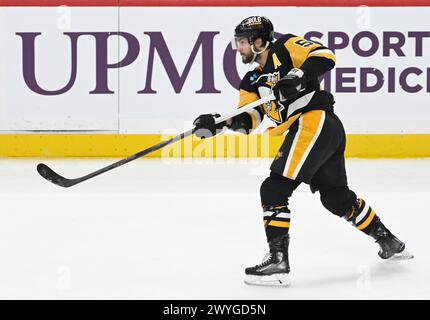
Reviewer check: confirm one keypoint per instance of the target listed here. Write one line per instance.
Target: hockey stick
(50, 175)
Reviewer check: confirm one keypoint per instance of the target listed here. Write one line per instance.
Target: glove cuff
(298, 72)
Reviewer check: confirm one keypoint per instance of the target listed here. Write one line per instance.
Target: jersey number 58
(304, 43)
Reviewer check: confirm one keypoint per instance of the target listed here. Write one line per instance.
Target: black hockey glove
(290, 85)
(206, 127)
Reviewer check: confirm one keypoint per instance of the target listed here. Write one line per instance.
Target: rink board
(381, 88)
(236, 146)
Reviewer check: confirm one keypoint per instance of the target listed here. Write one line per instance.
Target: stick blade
(50, 175)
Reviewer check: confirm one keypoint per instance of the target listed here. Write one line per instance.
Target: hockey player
(312, 151)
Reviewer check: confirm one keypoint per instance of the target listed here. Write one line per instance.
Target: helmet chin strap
(256, 53)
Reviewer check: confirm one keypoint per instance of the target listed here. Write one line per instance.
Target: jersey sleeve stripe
(246, 97)
(300, 49)
(323, 53)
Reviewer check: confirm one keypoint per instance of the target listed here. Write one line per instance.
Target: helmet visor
(239, 42)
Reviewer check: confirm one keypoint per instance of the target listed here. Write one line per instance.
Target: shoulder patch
(253, 76)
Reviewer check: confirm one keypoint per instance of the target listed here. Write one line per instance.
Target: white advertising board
(153, 70)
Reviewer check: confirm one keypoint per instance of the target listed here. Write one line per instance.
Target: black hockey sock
(276, 221)
(362, 216)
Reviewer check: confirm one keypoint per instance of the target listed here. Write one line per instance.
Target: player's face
(243, 46)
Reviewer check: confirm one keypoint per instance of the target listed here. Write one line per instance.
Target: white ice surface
(177, 229)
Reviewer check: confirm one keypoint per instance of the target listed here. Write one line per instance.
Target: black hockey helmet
(255, 27)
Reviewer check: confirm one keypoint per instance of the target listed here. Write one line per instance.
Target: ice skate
(390, 246)
(274, 269)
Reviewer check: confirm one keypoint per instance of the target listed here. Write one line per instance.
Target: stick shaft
(137, 155)
(247, 107)
(55, 178)
(179, 137)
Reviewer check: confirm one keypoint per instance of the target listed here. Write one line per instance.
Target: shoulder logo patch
(253, 77)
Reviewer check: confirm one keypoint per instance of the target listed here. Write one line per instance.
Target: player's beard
(247, 58)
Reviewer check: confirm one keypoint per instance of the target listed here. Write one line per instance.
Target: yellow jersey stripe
(299, 53)
(324, 55)
(310, 126)
(367, 222)
(281, 224)
(312, 142)
(284, 127)
(254, 120)
(279, 207)
(246, 97)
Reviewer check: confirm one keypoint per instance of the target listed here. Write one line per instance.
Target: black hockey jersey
(289, 52)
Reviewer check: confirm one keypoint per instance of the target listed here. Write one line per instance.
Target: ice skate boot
(274, 269)
(390, 247)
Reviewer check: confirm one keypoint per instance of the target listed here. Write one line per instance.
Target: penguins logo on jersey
(271, 78)
(272, 109)
(265, 83)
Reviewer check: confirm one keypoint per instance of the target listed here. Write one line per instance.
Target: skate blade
(404, 255)
(274, 280)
